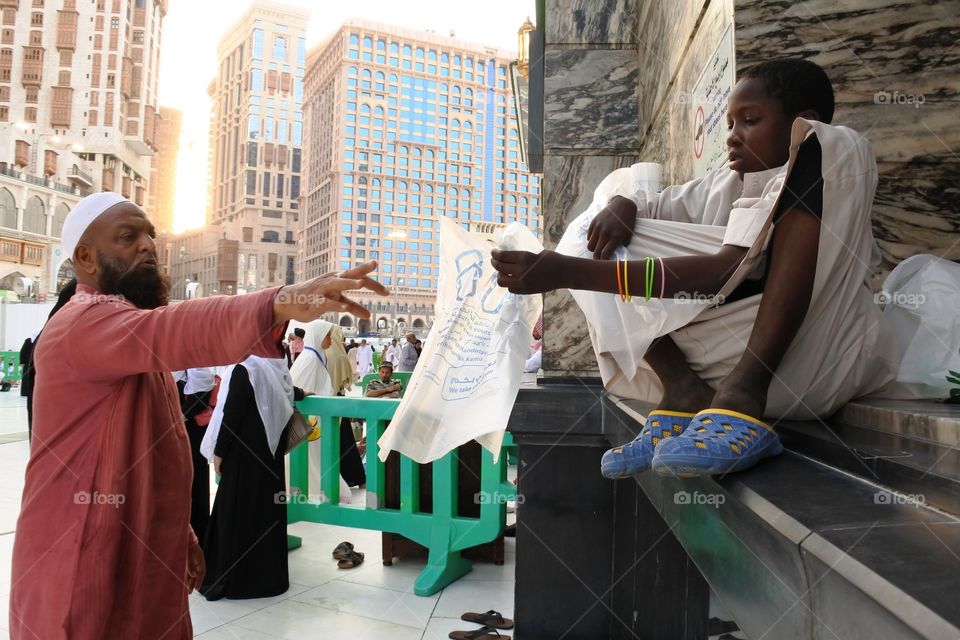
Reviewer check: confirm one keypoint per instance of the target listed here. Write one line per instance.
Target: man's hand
(525, 272)
(217, 461)
(196, 567)
(311, 299)
(612, 227)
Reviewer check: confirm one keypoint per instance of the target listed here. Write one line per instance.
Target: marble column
(590, 128)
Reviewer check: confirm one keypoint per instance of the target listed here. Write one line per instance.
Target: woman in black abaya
(246, 542)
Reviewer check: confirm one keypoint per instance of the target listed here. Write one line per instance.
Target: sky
(188, 60)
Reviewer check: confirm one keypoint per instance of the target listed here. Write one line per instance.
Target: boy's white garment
(843, 348)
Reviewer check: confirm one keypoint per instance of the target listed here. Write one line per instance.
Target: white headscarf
(309, 372)
(273, 391)
(83, 215)
(199, 380)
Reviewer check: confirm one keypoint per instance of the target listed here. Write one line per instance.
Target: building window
(8, 209)
(58, 219)
(115, 22)
(280, 48)
(248, 234)
(301, 51)
(251, 182)
(258, 43)
(251, 154)
(271, 236)
(30, 114)
(34, 217)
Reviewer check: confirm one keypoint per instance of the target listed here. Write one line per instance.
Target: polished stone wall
(895, 66)
(618, 75)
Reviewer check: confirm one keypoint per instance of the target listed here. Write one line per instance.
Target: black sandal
(483, 633)
(342, 549)
(350, 560)
(491, 619)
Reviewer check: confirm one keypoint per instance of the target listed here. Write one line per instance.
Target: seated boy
(743, 294)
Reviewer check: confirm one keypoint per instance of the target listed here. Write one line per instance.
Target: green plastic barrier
(402, 376)
(443, 532)
(6, 359)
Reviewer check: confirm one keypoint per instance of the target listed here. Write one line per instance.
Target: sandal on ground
(350, 560)
(342, 549)
(489, 619)
(483, 633)
(635, 456)
(718, 441)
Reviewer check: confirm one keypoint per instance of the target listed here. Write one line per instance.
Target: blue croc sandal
(627, 459)
(717, 442)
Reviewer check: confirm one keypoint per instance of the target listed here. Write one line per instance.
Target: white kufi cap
(83, 215)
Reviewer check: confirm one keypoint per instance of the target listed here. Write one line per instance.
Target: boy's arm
(524, 272)
(625, 200)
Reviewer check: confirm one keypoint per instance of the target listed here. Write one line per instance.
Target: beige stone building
(161, 193)
(403, 127)
(256, 131)
(78, 113)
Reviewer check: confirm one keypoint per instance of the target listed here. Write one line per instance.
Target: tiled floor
(371, 601)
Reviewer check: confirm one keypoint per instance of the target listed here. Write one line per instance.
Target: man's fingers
(351, 307)
(359, 271)
(375, 286)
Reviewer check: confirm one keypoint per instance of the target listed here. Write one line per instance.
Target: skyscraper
(403, 127)
(256, 132)
(78, 112)
(163, 170)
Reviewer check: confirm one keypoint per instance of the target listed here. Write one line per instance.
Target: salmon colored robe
(101, 543)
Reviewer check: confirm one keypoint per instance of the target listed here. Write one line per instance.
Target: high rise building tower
(163, 170)
(404, 127)
(78, 112)
(256, 132)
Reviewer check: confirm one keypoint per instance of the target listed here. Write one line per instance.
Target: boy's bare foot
(690, 395)
(740, 397)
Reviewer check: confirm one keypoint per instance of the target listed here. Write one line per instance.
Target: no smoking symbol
(699, 135)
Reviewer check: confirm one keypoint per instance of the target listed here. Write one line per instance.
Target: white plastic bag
(922, 297)
(466, 381)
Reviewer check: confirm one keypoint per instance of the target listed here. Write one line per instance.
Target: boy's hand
(612, 227)
(524, 272)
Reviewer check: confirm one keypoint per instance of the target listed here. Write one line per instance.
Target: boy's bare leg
(683, 390)
(784, 305)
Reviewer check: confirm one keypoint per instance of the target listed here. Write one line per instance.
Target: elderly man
(103, 545)
(409, 354)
